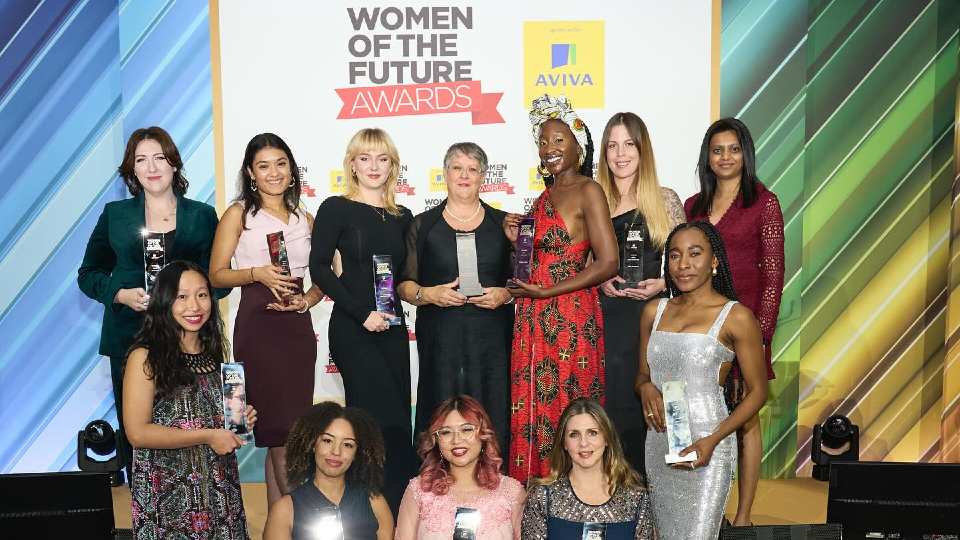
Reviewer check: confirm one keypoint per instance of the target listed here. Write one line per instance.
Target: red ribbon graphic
(420, 99)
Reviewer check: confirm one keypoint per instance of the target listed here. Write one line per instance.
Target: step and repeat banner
(435, 73)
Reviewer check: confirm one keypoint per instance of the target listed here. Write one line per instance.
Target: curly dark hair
(708, 179)
(160, 333)
(723, 281)
(250, 197)
(366, 471)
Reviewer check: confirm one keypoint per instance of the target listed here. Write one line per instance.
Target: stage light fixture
(100, 438)
(837, 439)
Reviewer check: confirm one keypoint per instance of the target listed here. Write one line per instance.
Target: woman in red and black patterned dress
(750, 221)
(557, 353)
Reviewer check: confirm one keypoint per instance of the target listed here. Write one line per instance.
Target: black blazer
(113, 260)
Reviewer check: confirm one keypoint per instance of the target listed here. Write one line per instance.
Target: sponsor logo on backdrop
(432, 202)
(535, 180)
(403, 183)
(338, 183)
(496, 181)
(564, 57)
(404, 61)
(437, 182)
(528, 204)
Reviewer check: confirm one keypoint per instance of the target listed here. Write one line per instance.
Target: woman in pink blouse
(748, 217)
(461, 476)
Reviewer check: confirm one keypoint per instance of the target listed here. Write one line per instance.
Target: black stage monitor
(56, 505)
(910, 499)
(782, 532)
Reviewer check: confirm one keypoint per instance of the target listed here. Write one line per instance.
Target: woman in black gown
(372, 355)
(463, 343)
(628, 176)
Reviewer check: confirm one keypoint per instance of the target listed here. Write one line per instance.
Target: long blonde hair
(616, 468)
(645, 185)
(373, 140)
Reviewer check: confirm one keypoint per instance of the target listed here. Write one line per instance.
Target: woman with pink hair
(460, 488)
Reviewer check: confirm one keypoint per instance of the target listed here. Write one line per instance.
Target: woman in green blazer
(112, 271)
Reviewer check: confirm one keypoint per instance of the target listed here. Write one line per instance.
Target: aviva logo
(337, 182)
(562, 54)
(564, 57)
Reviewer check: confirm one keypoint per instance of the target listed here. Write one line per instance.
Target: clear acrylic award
(328, 525)
(594, 531)
(235, 400)
(154, 257)
(631, 256)
(384, 297)
(467, 265)
(278, 257)
(521, 268)
(678, 422)
(465, 524)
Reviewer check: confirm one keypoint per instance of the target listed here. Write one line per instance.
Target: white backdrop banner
(436, 73)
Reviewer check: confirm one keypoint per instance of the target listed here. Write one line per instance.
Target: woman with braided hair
(692, 339)
(557, 353)
(335, 459)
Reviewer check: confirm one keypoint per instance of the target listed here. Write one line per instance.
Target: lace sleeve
(674, 207)
(534, 524)
(411, 266)
(771, 266)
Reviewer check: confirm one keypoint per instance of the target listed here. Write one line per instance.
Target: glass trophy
(594, 531)
(521, 268)
(278, 257)
(154, 257)
(235, 400)
(631, 255)
(328, 525)
(678, 422)
(383, 293)
(467, 265)
(465, 524)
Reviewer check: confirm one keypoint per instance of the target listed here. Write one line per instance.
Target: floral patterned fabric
(558, 347)
(188, 493)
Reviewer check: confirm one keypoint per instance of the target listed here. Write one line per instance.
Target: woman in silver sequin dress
(693, 338)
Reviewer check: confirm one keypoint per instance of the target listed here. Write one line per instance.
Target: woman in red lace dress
(557, 353)
(749, 219)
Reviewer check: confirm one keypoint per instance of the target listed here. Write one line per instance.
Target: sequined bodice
(690, 357)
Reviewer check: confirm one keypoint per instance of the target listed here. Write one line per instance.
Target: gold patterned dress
(557, 353)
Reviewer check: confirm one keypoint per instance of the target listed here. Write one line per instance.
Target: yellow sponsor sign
(564, 57)
(338, 183)
(437, 183)
(535, 180)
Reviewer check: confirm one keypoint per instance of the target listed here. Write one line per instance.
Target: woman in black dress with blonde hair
(372, 355)
(628, 175)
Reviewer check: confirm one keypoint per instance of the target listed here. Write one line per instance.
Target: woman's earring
(714, 270)
(542, 170)
(253, 185)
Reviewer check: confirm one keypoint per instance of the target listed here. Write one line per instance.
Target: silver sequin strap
(717, 324)
(660, 309)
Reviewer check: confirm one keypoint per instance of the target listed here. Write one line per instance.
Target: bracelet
(306, 307)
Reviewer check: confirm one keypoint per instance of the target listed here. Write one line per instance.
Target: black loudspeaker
(782, 532)
(56, 505)
(905, 499)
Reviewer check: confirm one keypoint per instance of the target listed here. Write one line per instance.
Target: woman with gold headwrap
(558, 347)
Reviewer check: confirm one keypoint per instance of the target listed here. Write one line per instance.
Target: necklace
(162, 217)
(460, 219)
(380, 212)
(198, 363)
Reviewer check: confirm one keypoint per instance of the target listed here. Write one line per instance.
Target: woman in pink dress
(460, 474)
(272, 335)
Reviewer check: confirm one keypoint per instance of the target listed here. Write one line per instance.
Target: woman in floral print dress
(558, 350)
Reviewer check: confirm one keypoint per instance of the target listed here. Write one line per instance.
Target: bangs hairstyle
(723, 281)
(708, 179)
(153, 133)
(373, 141)
(645, 186)
(616, 468)
(434, 472)
(160, 333)
(367, 467)
(252, 202)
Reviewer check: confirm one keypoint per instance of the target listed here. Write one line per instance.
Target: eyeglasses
(467, 432)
